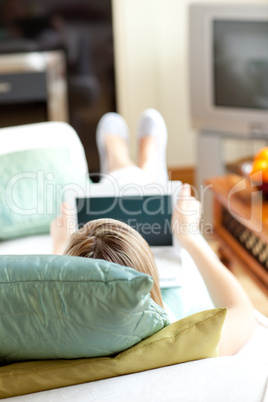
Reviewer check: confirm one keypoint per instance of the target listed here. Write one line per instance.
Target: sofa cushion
(194, 337)
(64, 307)
(33, 185)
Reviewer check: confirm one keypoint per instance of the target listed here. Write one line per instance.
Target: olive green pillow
(192, 338)
(32, 187)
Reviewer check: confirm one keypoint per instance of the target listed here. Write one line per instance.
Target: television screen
(240, 54)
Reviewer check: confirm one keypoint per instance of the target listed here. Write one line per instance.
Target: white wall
(151, 57)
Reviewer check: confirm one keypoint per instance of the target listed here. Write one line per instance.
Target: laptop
(146, 208)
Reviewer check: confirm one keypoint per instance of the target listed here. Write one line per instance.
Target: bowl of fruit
(257, 170)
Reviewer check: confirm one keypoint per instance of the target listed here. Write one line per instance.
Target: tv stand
(210, 163)
(240, 238)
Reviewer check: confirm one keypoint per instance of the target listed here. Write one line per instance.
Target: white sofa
(243, 377)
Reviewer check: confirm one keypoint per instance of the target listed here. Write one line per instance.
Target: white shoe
(152, 123)
(110, 124)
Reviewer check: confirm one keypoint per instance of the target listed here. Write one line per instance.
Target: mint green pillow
(64, 307)
(32, 187)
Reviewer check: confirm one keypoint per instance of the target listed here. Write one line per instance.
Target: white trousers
(127, 175)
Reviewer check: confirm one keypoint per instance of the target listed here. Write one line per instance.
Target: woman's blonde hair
(115, 241)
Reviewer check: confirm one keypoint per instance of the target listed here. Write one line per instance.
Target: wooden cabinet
(241, 225)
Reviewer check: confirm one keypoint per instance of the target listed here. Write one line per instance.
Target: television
(228, 56)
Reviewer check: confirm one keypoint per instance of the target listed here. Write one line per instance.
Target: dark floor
(85, 120)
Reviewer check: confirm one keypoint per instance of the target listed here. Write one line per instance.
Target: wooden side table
(241, 225)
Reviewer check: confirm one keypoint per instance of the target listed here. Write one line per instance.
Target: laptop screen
(150, 215)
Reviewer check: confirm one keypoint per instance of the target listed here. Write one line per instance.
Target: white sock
(110, 123)
(151, 123)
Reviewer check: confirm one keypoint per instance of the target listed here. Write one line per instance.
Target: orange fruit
(261, 165)
(262, 154)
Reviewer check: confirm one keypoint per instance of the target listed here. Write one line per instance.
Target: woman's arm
(224, 288)
(61, 230)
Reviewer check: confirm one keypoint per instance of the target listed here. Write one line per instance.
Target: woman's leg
(112, 141)
(152, 135)
(116, 164)
(112, 137)
(117, 153)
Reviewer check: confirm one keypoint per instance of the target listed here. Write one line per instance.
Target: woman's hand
(61, 228)
(224, 288)
(186, 216)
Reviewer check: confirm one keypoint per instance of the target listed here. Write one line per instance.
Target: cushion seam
(68, 281)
